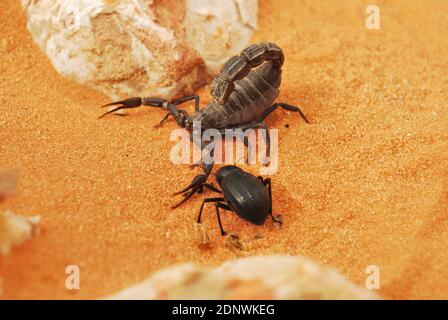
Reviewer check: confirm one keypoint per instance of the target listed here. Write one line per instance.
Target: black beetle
(248, 196)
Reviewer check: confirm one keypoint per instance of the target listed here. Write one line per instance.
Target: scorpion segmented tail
(238, 67)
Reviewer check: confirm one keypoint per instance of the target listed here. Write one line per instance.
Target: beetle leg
(268, 183)
(284, 106)
(207, 201)
(218, 204)
(217, 200)
(222, 206)
(212, 187)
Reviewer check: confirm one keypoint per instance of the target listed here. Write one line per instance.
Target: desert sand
(365, 184)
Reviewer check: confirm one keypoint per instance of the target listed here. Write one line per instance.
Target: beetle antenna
(238, 160)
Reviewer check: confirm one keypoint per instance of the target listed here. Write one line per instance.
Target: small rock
(203, 238)
(263, 277)
(278, 220)
(16, 229)
(234, 243)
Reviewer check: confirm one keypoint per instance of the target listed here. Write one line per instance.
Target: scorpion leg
(183, 112)
(267, 139)
(266, 136)
(181, 116)
(162, 121)
(188, 98)
(285, 106)
(243, 139)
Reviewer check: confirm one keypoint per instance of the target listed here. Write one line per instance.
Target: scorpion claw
(110, 111)
(196, 185)
(127, 103)
(186, 197)
(122, 104)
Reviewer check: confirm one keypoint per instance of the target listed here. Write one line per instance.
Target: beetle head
(224, 171)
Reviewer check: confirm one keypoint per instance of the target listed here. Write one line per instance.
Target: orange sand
(367, 183)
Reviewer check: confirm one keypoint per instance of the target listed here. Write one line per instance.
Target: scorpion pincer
(243, 96)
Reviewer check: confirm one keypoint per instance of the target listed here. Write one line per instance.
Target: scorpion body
(241, 91)
(243, 96)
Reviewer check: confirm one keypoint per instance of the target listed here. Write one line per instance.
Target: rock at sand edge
(259, 277)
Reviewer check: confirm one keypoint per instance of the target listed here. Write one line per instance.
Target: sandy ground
(365, 184)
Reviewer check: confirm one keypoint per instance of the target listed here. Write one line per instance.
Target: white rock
(16, 229)
(258, 277)
(137, 47)
(219, 29)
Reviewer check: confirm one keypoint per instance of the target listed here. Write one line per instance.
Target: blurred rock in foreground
(15, 230)
(141, 47)
(262, 277)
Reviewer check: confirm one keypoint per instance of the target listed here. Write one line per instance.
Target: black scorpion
(243, 96)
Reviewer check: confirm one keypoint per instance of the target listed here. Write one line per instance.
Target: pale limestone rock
(16, 229)
(219, 29)
(258, 277)
(140, 47)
